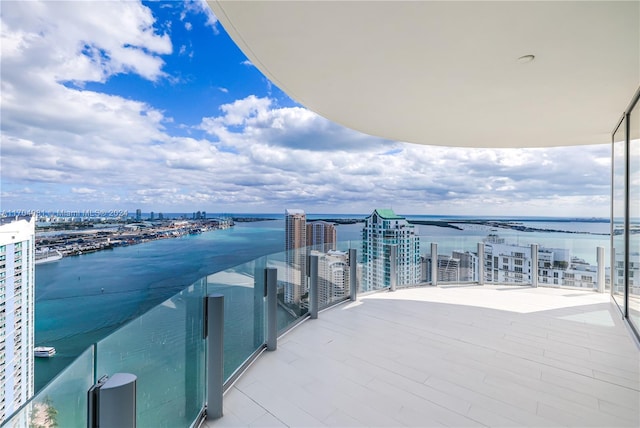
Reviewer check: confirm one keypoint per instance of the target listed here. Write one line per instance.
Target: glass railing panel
(562, 261)
(425, 260)
(243, 290)
(333, 277)
(457, 260)
(165, 349)
(347, 245)
(63, 402)
(293, 291)
(360, 258)
(375, 270)
(571, 262)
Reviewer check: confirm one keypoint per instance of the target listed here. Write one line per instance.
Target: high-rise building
(468, 270)
(507, 263)
(458, 267)
(383, 230)
(138, 214)
(333, 276)
(321, 236)
(295, 240)
(17, 284)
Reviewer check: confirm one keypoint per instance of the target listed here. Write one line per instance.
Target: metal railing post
(613, 273)
(393, 267)
(534, 265)
(259, 293)
(271, 280)
(313, 287)
(434, 263)
(215, 354)
(601, 268)
(353, 274)
(480, 263)
(112, 402)
(117, 402)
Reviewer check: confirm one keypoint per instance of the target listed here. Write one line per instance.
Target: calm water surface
(80, 300)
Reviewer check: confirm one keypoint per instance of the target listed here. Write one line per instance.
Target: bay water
(82, 299)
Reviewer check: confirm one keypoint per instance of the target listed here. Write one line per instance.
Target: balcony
(448, 356)
(429, 354)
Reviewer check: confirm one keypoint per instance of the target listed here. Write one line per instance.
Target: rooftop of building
(387, 214)
(11, 219)
(294, 211)
(448, 356)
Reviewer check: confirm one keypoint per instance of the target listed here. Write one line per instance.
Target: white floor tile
(454, 356)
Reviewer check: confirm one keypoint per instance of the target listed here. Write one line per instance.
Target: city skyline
(161, 111)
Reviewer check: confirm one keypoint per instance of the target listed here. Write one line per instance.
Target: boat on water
(44, 351)
(47, 256)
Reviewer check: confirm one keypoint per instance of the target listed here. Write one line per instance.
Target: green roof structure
(388, 214)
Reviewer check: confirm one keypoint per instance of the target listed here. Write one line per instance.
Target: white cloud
(247, 63)
(81, 41)
(334, 167)
(52, 133)
(71, 145)
(82, 190)
(294, 127)
(201, 6)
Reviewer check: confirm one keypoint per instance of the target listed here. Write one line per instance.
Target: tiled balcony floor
(455, 356)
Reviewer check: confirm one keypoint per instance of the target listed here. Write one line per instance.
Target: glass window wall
(625, 215)
(618, 158)
(633, 269)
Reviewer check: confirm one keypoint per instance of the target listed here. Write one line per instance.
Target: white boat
(47, 256)
(44, 351)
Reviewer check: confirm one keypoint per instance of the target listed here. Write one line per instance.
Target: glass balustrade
(166, 349)
(243, 291)
(63, 401)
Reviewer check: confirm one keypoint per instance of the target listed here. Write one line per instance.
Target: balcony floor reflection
(449, 356)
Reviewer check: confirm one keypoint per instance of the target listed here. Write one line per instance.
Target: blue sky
(124, 105)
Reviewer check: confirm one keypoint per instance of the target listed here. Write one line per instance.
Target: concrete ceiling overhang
(448, 72)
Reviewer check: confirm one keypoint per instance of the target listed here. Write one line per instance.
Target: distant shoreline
(522, 228)
(501, 224)
(251, 219)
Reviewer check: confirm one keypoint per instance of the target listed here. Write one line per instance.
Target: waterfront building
(138, 214)
(468, 266)
(458, 267)
(333, 276)
(510, 263)
(321, 236)
(507, 263)
(17, 284)
(448, 268)
(579, 274)
(552, 265)
(295, 240)
(382, 231)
